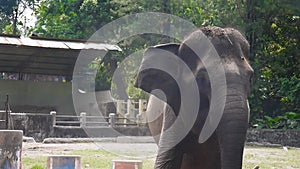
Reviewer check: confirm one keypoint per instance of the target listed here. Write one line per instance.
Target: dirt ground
(33, 150)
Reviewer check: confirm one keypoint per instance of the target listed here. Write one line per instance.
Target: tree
(71, 19)
(10, 12)
(272, 30)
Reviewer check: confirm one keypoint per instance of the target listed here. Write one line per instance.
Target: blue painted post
(64, 161)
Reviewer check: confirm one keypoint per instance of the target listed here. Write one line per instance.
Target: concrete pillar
(130, 108)
(64, 161)
(131, 111)
(10, 149)
(83, 119)
(112, 119)
(142, 110)
(127, 164)
(121, 108)
(121, 111)
(53, 113)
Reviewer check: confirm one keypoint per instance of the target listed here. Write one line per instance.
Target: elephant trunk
(232, 129)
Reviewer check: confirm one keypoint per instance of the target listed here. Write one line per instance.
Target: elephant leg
(232, 134)
(170, 159)
(202, 156)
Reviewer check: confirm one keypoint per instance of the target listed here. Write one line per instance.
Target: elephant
(223, 149)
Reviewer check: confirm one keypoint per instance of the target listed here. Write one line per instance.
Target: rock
(28, 139)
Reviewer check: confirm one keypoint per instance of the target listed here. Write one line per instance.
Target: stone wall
(38, 126)
(271, 136)
(78, 132)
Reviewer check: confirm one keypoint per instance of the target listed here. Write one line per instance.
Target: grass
(265, 157)
(271, 158)
(100, 159)
(90, 159)
(34, 163)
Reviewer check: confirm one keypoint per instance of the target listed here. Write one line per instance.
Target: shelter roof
(45, 56)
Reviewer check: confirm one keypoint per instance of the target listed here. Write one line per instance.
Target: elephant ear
(197, 41)
(158, 67)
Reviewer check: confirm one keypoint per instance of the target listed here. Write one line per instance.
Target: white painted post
(120, 107)
(130, 110)
(121, 110)
(53, 113)
(83, 119)
(142, 110)
(112, 119)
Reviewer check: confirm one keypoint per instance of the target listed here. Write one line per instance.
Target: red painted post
(127, 164)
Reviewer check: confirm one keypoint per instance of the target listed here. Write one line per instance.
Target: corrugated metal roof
(51, 43)
(45, 56)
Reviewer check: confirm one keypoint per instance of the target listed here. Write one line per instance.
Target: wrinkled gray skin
(224, 149)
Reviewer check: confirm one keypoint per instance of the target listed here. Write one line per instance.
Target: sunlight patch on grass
(274, 158)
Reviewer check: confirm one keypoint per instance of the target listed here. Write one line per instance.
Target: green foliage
(289, 92)
(212, 12)
(289, 120)
(10, 12)
(6, 13)
(272, 30)
(105, 70)
(71, 19)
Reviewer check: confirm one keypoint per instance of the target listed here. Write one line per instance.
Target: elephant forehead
(232, 67)
(162, 60)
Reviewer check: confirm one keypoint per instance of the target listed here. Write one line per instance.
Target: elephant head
(229, 134)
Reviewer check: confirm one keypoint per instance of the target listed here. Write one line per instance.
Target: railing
(6, 113)
(127, 115)
(88, 121)
(2, 119)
